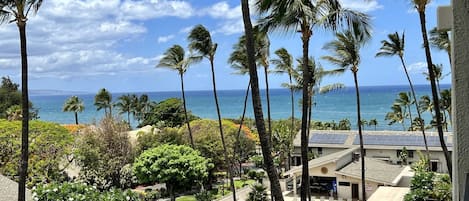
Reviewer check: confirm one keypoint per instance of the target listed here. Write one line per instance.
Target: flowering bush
(79, 192)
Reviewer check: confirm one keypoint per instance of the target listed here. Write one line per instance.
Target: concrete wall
(392, 155)
(346, 191)
(460, 98)
(318, 170)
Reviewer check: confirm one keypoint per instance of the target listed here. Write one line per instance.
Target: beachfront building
(336, 170)
(382, 145)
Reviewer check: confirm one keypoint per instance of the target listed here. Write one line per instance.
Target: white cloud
(163, 39)
(222, 10)
(363, 6)
(69, 38)
(418, 67)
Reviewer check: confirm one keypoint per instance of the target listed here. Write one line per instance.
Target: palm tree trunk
(267, 94)
(436, 101)
(222, 136)
(76, 118)
(419, 114)
(238, 142)
(185, 111)
(306, 34)
(362, 150)
(292, 116)
(23, 169)
(264, 138)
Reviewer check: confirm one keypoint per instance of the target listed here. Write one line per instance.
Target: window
(320, 150)
(344, 183)
(410, 154)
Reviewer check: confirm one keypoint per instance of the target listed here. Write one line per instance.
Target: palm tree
(258, 193)
(396, 116)
(446, 106)
(262, 45)
(438, 71)
(264, 138)
(421, 5)
(373, 122)
(201, 43)
(395, 46)
(18, 11)
(305, 15)
(103, 100)
(404, 100)
(284, 64)
(346, 54)
(440, 40)
(75, 105)
(124, 104)
(238, 61)
(175, 59)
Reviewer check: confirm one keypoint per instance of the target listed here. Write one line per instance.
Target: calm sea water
(375, 103)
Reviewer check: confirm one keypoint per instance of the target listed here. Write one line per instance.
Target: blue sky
(84, 45)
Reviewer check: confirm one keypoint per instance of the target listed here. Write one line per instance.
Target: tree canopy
(174, 165)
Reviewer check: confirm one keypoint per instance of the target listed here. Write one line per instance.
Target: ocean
(334, 106)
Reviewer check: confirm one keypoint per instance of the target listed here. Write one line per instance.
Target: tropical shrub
(207, 140)
(147, 140)
(427, 185)
(49, 145)
(177, 166)
(80, 191)
(258, 193)
(167, 113)
(102, 152)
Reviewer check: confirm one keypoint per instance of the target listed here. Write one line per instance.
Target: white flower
(128, 198)
(55, 189)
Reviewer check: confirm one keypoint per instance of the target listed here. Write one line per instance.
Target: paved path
(241, 194)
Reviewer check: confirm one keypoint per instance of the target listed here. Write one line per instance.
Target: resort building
(336, 169)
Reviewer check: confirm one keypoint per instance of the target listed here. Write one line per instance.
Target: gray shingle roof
(376, 170)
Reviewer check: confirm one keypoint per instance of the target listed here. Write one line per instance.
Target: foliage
(103, 100)
(204, 196)
(426, 185)
(49, 144)
(170, 112)
(80, 191)
(10, 101)
(175, 165)
(102, 152)
(256, 175)
(257, 160)
(258, 193)
(207, 140)
(75, 105)
(155, 138)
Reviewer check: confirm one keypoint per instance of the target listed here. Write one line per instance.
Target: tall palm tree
(262, 45)
(18, 11)
(175, 59)
(284, 64)
(124, 105)
(238, 61)
(264, 138)
(201, 43)
(421, 5)
(395, 46)
(75, 105)
(103, 100)
(440, 40)
(445, 104)
(346, 54)
(306, 15)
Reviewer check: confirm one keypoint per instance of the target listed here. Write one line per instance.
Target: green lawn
(186, 198)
